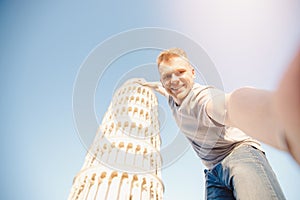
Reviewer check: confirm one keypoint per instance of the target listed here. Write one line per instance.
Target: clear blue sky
(44, 43)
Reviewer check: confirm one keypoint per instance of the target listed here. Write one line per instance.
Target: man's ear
(193, 72)
(161, 82)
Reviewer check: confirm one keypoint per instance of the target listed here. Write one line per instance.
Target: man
(236, 166)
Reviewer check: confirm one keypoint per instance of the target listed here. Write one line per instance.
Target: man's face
(177, 77)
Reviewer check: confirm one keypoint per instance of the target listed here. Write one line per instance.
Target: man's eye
(181, 71)
(167, 76)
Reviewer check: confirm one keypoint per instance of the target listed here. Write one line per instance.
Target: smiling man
(177, 76)
(237, 167)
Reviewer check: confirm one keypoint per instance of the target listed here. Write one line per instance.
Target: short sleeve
(202, 99)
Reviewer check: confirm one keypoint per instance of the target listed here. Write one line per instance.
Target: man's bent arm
(157, 86)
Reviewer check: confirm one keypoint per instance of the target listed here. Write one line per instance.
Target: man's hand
(152, 85)
(157, 86)
(287, 106)
(141, 81)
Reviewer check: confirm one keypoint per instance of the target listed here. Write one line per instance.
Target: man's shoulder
(200, 90)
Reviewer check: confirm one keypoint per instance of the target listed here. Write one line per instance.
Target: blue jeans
(244, 174)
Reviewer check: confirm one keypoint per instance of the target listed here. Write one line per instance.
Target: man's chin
(180, 97)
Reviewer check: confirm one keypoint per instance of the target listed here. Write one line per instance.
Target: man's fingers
(140, 81)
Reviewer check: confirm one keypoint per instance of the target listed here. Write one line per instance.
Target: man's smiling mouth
(175, 90)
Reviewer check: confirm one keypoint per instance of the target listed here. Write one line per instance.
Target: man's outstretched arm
(253, 111)
(271, 117)
(250, 110)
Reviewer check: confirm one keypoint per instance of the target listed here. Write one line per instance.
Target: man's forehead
(174, 59)
(174, 64)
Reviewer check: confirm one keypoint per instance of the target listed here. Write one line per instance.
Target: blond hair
(167, 55)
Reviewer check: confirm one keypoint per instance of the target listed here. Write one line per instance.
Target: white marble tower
(124, 162)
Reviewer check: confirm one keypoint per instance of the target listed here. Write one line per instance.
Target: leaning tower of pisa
(124, 162)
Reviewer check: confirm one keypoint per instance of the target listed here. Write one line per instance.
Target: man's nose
(174, 78)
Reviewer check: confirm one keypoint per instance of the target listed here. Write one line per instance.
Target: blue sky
(44, 44)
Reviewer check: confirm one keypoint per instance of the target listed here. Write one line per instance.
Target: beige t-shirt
(211, 140)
